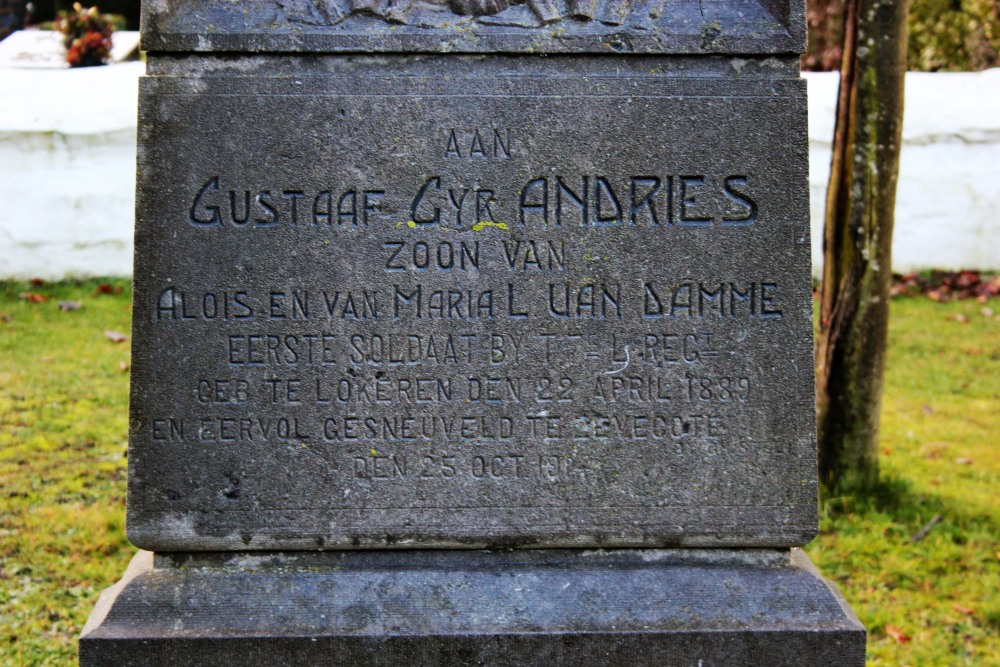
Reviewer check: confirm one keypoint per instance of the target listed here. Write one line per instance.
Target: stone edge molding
(750, 27)
(637, 607)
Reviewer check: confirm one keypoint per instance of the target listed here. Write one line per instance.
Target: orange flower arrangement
(86, 36)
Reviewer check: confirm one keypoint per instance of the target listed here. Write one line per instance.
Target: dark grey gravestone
(472, 275)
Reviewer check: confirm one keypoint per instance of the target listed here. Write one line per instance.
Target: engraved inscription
(212, 207)
(440, 256)
(444, 202)
(533, 314)
(479, 143)
(560, 300)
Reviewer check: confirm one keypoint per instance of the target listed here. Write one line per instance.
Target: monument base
(544, 607)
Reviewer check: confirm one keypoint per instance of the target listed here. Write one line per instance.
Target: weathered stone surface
(454, 301)
(551, 607)
(408, 299)
(477, 26)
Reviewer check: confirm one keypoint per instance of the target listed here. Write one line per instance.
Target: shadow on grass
(892, 494)
(897, 497)
(916, 522)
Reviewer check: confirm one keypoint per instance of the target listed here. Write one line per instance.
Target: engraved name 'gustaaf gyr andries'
(685, 200)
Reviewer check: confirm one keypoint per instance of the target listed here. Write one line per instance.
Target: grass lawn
(940, 596)
(63, 423)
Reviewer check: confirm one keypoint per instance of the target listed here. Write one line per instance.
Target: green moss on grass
(63, 425)
(940, 423)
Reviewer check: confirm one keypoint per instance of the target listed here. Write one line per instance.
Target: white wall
(948, 197)
(67, 170)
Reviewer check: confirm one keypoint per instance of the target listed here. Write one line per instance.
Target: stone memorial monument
(472, 332)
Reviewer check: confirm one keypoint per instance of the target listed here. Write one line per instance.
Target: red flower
(87, 36)
(91, 49)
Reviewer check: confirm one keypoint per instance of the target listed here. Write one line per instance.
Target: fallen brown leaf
(897, 634)
(960, 317)
(937, 295)
(934, 450)
(946, 285)
(966, 279)
(67, 306)
(104, 288)
(962, 610)
(37, 281)
(115, 336)
(33, 297)
(964, 462)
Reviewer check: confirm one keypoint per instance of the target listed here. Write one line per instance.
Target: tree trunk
(857, 243)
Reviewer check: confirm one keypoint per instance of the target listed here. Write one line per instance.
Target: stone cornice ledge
(746, 27)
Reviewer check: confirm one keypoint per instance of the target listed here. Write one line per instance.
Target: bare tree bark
(857, 244)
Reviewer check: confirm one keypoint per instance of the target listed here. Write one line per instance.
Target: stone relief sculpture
(437, 13)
